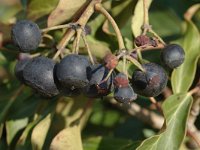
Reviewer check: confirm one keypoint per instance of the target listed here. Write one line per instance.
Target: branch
(83, 19)
(149, 117)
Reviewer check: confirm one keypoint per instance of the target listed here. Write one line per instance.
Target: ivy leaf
(176, 109)
(37, 9)
(138, 17)
(13, 127)
(64, 11)
(40, 131)
(101, 143)
(69, 138)
(183, 76)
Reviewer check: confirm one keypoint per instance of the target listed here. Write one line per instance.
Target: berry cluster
(75, 74)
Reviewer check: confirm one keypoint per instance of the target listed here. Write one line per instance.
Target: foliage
(29, 121)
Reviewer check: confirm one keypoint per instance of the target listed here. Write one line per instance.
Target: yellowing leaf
(38, 8)
(138, 17)
(69, 138)
(64, 11)
(40, 132)
(176, 109)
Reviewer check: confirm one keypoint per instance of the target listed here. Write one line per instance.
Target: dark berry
(97, 86)
(70, 92)
(124, 94)
(26, 35)
(39, 75)
(19, 69)
(142, 40)
(151, 82)
(173, 55)
(121, 80)
(72, 71)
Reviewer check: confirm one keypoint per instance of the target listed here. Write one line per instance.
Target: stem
(135, 62)
(87, 47)
(124, 65)
(102, 10)
(79, 32)
(146, 17)
(157, 36)
(153, 100)
(194, 90)
(83, 19)
(107, 77)
(194, 137)
(56, 27)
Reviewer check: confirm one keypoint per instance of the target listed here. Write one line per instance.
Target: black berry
(173, 56)
(19, 69)
(39, 75)
(26, 35)
(72, 71)
(97, 86)
(124, 94)
(151, 82)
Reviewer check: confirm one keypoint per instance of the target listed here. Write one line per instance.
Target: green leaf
(69, 138)
(13, 127)
(108, 143)
(1, 130)
(138, 17)
(40, 131)
(64, 11)
(176, 109)
(183, 76)
(37, 9)
(8, 12)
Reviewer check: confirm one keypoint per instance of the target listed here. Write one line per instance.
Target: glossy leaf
(69, 138)
(64, 11)
(37, 9)
(138, 17)
(183, 76)
(176, 109)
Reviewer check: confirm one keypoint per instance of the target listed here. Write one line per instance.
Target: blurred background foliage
(29, 121)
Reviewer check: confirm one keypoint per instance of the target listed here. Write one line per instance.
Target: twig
(87, 47)
(102, 10)
(149, 117)
(56, 27)
(83, 19)
(192, 130)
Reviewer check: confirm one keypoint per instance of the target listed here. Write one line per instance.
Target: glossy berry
(124, 94)
(121, 80)
(172, 56)
(19, 69)
(71, 72)
(151, 82)
(26, 35)
(39, 75)
(96, 88)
